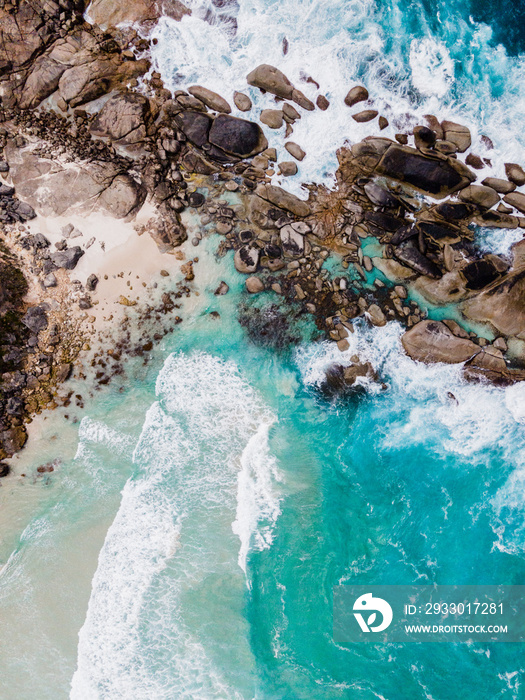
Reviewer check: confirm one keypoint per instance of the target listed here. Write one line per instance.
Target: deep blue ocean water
(187, 544)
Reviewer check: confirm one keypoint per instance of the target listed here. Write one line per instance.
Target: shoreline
(104, 184)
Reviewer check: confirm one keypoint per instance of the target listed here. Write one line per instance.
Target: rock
(480, 195)
(322, 103)
(237, 136)
(210, 99)
(91, 283)
(13, 440)
(480, 273)
(246, 259)
(35, 318)
(376, 316)
(501, 186)
(196, 199)
(455, 328)
(242, 101)
(294, 150)
(50, 280)
(410, 255)
(292, 241)
(432, 341)
(284, 200)
(63, 372)
(4, 167)
(447, 148)
(343, 344)
(254, 285)
(430, 175)
(124, 301)
(380, 196)
(401, 291)
(299, 98)
(107, 13)
(457, 134)
(474, 162)
(4, 469)
(122, 118)
(393, 270)
(355, 95)
(365, 116)
(222, 289)
(383, 123)
(515, 173)
(434, 124)
(195, 125)
(272, 80)
(424, 137)
(516, 200)
(288, 168)
(272, 118)
(290, 112)
(67, 259)
(402, 139)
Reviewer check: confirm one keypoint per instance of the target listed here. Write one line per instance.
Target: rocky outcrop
(108, 13)
(53, 189)
(123, 118)
(433, 341)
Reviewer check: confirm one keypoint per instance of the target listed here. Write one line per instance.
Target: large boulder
(67, 259)
(409, 254)
(122, 118)
(239, 137)
(282, 199)
(195, 125)
(433, 341)
(457, 134)
(438, 177)
(516, 200)
(501, 305)
(210, 99)
(246, 259)
(272, 80)
(480, 195)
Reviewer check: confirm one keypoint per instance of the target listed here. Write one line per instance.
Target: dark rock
(322, 103)
(4, 167)
(474, 162)
(67, 259)
(431, 175)
(387, 222)
(196, 199)
(408, 254)
(15, 406)
(424, 137)
(479, 274)
(439, 233)
(35, 318)
(91, 283)
(195, 126)
(6, 191)
(222, 289)
(453, 210)
(380, 196)
(4, 469)
(238, 137)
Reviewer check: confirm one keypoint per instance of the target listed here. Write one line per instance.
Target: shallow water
(188, 540)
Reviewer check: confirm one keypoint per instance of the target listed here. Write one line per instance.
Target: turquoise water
(187, 542)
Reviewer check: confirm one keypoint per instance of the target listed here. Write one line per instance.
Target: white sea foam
(431, 66)
(202, 461)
